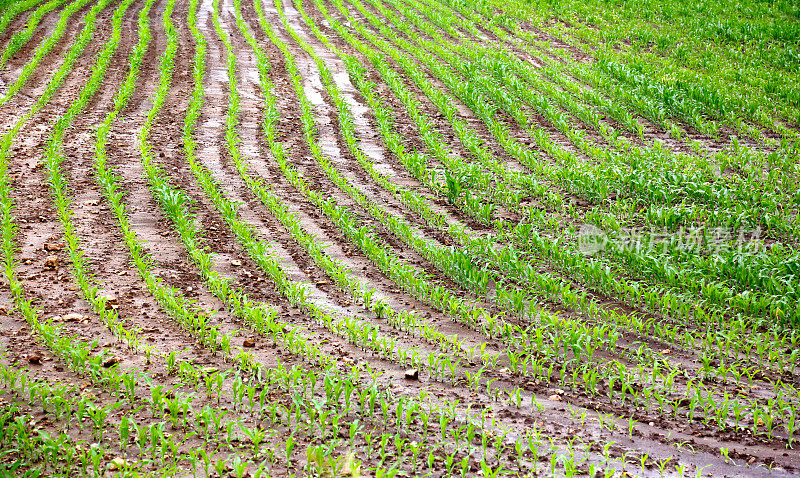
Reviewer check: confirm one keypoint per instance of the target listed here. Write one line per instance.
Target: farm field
(273, 238)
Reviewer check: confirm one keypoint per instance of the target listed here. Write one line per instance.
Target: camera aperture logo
(591, 239)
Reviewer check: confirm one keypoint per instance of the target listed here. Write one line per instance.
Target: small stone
(666, 351)
(555, 398)
(412, 374)
(236, 262)
(53, 246)
(73, 317)
(35, 359)
(113, 360)
(111, 302)
(117, 463)
(249, 343)
(51, 263)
